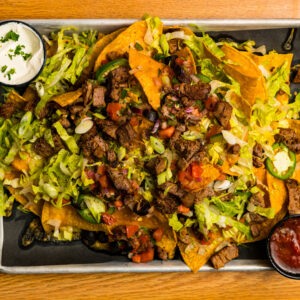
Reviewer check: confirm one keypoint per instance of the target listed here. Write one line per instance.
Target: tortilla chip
(241, 104)
(67, 98)
(17, 99)
(186, 30)
(168, 242)
(102, 42)
(209, 174)
(121, 44)
(68, 216)
(148, 72)
(277, 192)
(194, 259)
(187, 54)
(36, 208)
(261, 175)
(21, 164)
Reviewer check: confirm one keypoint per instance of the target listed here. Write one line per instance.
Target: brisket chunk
(223, 113)
(233, 149)
(294, 196)
(87, 90)
(58, 143)
(289, 138)
(42, 148)
(126, 135)
(166, 204)
(257, 199)
(119, 180)
(7, 110)
(156, 165)
(65, 122)
(108, 127)
(118, 79)
(197, 91)
(181, 74)
(99, 96)
(224, 256)
(188, 199)
(173, 189)
(206, 192)
(257, 156)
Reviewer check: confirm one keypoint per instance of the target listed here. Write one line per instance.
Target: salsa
(285, 245)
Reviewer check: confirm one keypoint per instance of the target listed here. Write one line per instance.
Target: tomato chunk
(183, 209)
(131, 230)
(157, 234)
(148, 255)
(108, 219)
(211, 103)
(166, 133)
(113, 109)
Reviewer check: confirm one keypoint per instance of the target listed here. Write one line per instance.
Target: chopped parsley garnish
(10, 72)
(3, 68)
(11, 35)
(19, 51)
(123, 93)
(138, 47)
(26, 56)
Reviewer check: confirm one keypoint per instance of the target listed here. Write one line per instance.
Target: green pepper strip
(104, 70)
(290, 170)
(84, 212)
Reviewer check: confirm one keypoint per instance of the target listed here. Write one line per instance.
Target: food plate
(61, 259)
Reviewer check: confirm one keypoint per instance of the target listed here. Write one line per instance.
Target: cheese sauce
(21, 53)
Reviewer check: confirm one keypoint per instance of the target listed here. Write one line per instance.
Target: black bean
(142, 208)
(102, 237)
(151, 115)
(89, 237)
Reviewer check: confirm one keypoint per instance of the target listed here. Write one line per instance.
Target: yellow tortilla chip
(277, 192)
(261, 175)
(199, 255)
(241, 104)
(36, 208)
(148, 73)
(67, 216)
(168, 242)
(187, 54)
(186, 30)
(121, 44)
(15, 98)
(209, 174)
(21, 164)
(102, 42)
(67, 98)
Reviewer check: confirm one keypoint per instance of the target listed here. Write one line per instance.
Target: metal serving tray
(77, 258)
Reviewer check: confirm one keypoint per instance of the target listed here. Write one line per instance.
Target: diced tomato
(210, 238)
(134, 121)
(118, 203)
(112, 110)
(196, 170)
(211, 103)
(137, 258)
(131, 230)
(183, 209)
(104, 62)
(103, 180)
(166, 133)
(180, 61)
(184, 175)
(101, 170)
(144, 239)
(148, 255)
(157, 234)
(108, 219)
(212, 131)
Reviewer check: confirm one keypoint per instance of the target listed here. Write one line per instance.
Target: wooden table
(228, 285)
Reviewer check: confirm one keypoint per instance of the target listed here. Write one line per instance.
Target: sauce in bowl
(22, 53)
(284, 247)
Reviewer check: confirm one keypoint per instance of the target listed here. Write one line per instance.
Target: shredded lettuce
(175, 223)
(152, 36)
(268, 212)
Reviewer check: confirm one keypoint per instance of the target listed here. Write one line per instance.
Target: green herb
(11, 35)
(10, 72)
(138, 47)
(19, 51)
(3, 69)
(26, 56)
(123, 93)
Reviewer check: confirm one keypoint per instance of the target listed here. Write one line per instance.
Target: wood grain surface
(225, 285)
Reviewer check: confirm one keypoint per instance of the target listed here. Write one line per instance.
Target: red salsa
(285, 245)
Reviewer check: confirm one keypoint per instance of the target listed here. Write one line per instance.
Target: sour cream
(21, 53)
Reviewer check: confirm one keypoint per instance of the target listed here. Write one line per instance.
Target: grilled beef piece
(255, 229)
(30, 106)
(181, 74)
(174, 45)
(233, 149)
(111, 156)
(117, 80)
(108, 127)
(98, 146)
(119, 180)
(65, 122)
(289, 138)
(294, 196)
(184, 236)
(223, 113)
(256, 218)
(87, 90)
(188, 199)
(58, 143)
(206, 192)
(257, 156)
(75, 109)
(156, 165)
(166, 204)
(161, 253)
(173, 189)
(42, 148)
(257, 199)
(130, 200)
(7, 110)
(197, 91)
(126, 135)
(224, 256)
(257, 162)
(99, 96)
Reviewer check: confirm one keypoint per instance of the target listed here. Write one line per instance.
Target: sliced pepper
(104, 70)
(271, 167)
